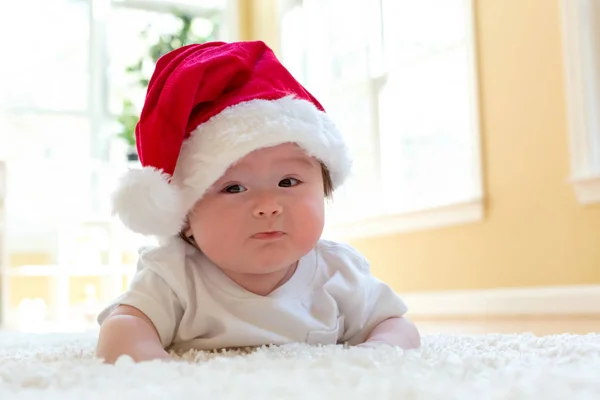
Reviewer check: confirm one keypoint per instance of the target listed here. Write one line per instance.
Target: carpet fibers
(62, 366)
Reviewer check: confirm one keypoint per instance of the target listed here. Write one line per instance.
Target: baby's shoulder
(166, 253)
(338, 256)
(169, 260)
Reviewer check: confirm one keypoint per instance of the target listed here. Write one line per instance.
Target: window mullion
(377, 80)
(98, 93)
(43, 111)
(375, 86)
(98, 73)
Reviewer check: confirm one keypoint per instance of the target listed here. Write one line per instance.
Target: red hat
(207, 106)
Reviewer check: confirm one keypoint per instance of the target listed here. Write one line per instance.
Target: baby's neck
(263, 284)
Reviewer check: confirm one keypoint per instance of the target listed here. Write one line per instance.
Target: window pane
(49, 50)
(426, 112)
(293, 55)
(348, 39)
(352, 111)
(417, 29)
(340, 50)
(131, 34)
(48, 174)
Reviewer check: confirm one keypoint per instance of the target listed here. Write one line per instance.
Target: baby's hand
(394, 332)
(128, 332)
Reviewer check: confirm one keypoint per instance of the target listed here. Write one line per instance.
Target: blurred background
(475, 125)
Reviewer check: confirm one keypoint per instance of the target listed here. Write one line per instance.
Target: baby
(238, 159)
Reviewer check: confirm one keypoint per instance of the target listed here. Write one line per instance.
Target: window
(45, 132)
(581, 43)
(398, 78)
(62, 86)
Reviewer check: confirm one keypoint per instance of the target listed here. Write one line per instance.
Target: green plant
(128, 120)
(167, 42)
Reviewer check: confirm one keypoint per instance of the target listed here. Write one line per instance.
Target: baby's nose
(267, 208)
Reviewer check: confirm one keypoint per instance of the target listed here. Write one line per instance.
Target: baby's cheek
(216, 240)
(210, 226)
(309, 218)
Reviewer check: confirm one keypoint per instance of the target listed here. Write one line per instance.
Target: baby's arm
(129, 331)
(395, 331)
(374, 313)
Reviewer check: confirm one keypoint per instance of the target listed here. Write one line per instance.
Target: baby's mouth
(268, 235)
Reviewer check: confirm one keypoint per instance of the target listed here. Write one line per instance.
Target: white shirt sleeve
(153, 296)
(374, 303)
(363, 300)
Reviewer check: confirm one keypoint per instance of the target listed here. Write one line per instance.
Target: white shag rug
(53, 366)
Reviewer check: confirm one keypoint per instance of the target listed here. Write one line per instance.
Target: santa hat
(207, 106)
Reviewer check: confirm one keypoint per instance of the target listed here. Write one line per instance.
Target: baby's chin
(262, 259)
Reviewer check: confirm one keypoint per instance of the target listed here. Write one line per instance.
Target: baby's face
(265, 212)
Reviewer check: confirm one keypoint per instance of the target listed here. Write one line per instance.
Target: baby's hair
(327, 182)
(327, 189)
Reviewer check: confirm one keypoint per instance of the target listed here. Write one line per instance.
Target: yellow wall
(534, 233)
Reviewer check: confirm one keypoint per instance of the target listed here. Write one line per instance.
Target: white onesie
(331, 298)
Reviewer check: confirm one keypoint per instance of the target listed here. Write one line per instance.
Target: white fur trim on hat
(149, 204)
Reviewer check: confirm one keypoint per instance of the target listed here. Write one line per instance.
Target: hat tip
(147, 203)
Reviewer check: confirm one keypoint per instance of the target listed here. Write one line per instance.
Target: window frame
(581, 60)
(469, 210)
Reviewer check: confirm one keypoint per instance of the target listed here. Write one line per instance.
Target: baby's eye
(234, 189)
(288, 182)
